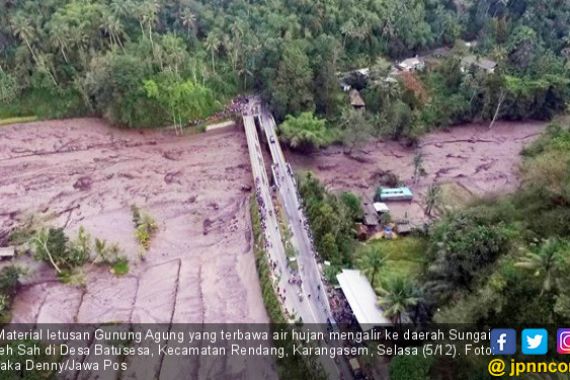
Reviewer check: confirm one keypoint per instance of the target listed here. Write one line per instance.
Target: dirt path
(83, 173)
(480, 160)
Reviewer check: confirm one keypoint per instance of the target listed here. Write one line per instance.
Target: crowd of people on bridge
(237, 105)
(342, 313)
(340, 309)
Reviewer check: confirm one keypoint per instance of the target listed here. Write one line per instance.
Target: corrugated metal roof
(396, 193)
(361, 298)
(7, 251)
(381, 207)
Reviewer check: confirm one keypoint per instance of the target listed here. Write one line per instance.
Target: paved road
(310, 273)
(314, 307)
(275, 248)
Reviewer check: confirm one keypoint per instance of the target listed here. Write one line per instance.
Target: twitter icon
(534, 341)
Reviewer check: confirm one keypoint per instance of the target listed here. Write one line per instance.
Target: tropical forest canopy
(142, 63)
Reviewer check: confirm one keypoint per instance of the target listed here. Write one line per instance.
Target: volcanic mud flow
(82, 172)
(477, 160)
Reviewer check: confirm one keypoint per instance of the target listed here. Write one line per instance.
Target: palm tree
(25, 31)
(432, 198)
(146, 13)
(418, 165)
(251, 47)
(371, 262)
(545, 263)
(58, 36)
(397, 297)
(189, 21)
(121, 8)
(212, 44)
(114, 28)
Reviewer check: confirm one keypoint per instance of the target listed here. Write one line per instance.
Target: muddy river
(468, 161)
(200, 266)
(82, 172)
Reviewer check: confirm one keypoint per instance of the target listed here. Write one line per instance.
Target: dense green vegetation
(502, 260)
(305, 132)
(497, 260)
(137, 63)
(150, 63)
(331, 218)
(526, 238)
(457, 97)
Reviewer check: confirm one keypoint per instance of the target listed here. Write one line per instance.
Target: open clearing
(472, 158)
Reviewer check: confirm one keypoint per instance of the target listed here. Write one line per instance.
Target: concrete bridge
(308, 301)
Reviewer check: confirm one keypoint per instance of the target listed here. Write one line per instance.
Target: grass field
(453, 197)
(18, 120)
(406, 257)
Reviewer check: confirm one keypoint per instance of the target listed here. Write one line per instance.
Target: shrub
(120, 267)
(54, 247)
(9, 280)
(330, 219)
(145, 227)
(67, 257)
(8, 286)
(410, 368)
(352, 202)
(305, 132)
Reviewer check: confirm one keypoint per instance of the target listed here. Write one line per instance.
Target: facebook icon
(503, 341)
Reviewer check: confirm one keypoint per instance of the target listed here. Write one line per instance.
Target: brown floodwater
(82, 172)
(479, 161)
(200, 266)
